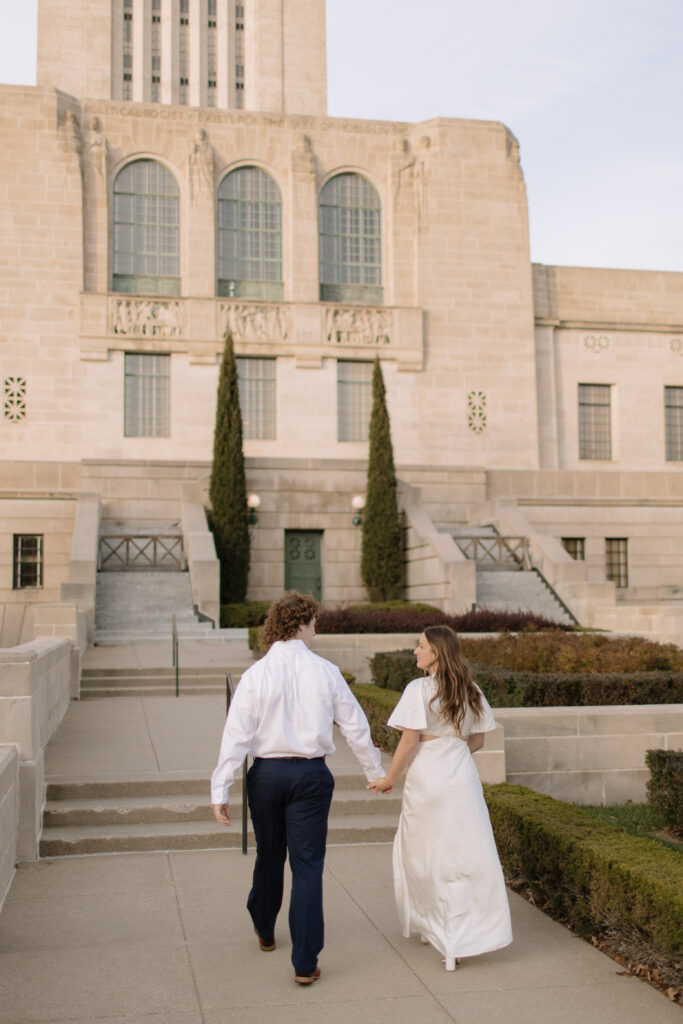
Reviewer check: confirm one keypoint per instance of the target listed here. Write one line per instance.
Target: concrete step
(144, 810)
(519, 592)
(158, 682)
(198, 835)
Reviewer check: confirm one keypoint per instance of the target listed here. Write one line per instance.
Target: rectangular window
(27, 572)
(257, 387)
(147, 395)
(184, 51)
(595, 414)
(127, 49)
(673, 421)
(156, 51)
(576, 547)
(354, 400)
(616, 557)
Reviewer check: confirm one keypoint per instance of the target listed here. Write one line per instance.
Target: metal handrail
(229, 694)
(174, 642)
(495, 549)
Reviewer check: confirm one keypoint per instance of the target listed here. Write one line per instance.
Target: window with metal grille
(354, 400)
(146, 230)
(155, 40)
(595, 414)
(27, 568)
(576, 547)
(249, 235)
(616, 557)
(350, 226)
(127, 92)
(211, 55)
(147, 390)
(673, 422)
(184, 52)
(257, 388)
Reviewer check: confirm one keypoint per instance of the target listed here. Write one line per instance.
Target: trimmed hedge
(398, 617)
(564, 653)
(243, 614)
(665, 786)
(504, 688)
(595, 878)
(378, 705)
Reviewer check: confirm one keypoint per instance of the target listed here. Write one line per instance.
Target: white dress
(448, 880)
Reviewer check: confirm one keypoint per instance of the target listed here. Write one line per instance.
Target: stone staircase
(139, 606)
(174, 813)
(153, 682)
(514, 591)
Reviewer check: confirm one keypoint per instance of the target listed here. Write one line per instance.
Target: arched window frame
(350, 240)
(249, 234)
(146, 230)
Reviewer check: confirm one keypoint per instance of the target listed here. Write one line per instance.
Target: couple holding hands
(448, 881)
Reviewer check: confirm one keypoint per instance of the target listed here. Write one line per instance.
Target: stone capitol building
(174, 174)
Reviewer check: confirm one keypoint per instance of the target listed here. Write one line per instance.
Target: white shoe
(449, 962)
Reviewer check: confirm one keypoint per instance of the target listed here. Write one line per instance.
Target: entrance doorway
(303, 570)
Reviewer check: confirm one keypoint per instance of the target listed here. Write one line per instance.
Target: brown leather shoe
(267, 947)
(307, 979)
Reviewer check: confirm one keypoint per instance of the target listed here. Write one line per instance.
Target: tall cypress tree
(382, 557)
(228, 486)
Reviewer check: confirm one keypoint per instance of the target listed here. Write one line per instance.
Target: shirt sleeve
(349, 716)
(410, 712)
(238, 733)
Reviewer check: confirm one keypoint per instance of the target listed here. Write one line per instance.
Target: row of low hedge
(244, 614)
(665, 788)
(509, 689)
(412, 618)
(574, 652)
(600, 881)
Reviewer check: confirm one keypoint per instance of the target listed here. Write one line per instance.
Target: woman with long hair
(448, 881)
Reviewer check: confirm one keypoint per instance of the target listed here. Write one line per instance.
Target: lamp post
(358, 504)
(253, 502)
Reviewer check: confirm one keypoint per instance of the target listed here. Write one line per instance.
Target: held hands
(381, 786)
(222, 814)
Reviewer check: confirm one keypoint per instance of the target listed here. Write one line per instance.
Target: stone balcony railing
(307, 331)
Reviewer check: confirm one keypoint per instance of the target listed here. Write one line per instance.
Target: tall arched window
(249, 235)
(350, 223)
(146, 230)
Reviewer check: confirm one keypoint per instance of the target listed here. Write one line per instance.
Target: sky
(590, 88)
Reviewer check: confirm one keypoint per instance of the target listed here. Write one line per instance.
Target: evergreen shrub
(592, 876)
(665, 786)
(244, 613)
(505, 688)
(402, 617)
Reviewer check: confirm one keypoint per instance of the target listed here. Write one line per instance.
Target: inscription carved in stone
(351, 326)
(596, 342)
(146, 318)
(250, 322)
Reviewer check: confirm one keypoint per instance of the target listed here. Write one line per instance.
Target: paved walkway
(164, 938)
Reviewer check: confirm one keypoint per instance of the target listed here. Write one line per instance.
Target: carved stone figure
(247, 322)
(97, 147)
(146, 318)
(402, 163)
(358, 326)
(420, 177)
(200, 165)
(72, 132)
(303, 159)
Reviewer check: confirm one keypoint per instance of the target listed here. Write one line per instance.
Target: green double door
(303, 566)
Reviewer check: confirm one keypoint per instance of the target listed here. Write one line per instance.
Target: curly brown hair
(286, 615)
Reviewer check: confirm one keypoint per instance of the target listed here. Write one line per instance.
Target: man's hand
(222, 814)
(381, 786)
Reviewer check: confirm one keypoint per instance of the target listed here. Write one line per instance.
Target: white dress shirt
(285, 706)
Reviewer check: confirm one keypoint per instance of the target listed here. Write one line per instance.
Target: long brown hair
(455, 688)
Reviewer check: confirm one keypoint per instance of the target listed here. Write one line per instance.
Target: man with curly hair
(282, 714)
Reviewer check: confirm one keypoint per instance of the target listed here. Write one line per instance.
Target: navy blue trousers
(289, 801)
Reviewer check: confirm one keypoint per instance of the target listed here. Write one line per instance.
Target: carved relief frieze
(251, 322)
(349, 326)
(146, 318)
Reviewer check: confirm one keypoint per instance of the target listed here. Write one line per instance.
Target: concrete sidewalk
(164, 938)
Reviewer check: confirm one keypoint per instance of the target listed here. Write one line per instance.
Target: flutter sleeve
(484, 723)
(410, 713)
